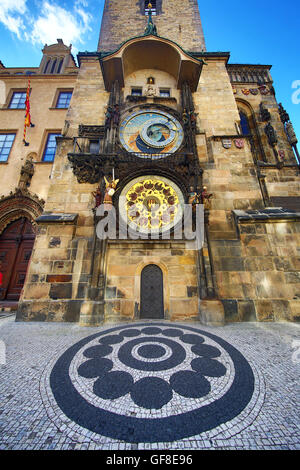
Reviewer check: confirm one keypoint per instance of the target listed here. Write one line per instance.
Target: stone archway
(20, 203)
(152, 293)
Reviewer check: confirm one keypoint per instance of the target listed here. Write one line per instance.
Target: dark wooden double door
(152, 296)
(16, 243)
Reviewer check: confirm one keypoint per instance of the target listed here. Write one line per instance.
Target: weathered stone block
(61, 291)
(212, 313)
(246, 310)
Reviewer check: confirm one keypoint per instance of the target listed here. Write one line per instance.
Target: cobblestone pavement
(149, 385)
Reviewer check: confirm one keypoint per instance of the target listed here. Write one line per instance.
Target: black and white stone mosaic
(158, 383)
(30, 417)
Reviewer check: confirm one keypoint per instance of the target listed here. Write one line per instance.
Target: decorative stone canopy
(149, 52)
(20, 203)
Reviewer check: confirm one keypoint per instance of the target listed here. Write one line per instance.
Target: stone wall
(125, 262)
(178, 20)
(45, 117)
(258, 273)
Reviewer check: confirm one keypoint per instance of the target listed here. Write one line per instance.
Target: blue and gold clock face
(151, 132)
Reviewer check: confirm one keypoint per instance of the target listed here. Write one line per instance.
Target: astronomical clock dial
(151, 132)
(151, 204)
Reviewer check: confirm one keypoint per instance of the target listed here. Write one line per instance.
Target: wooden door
(16, 245)
(152, 301)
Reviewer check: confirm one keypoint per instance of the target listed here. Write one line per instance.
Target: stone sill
(268, 215)
(57, 218)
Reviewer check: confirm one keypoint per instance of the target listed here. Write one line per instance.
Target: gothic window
(6, 141)
(244, 124)
(50, 148)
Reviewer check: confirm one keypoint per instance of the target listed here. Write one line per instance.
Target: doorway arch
(152, 293)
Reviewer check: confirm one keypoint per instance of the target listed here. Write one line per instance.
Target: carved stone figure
(150, 91)
(283, 114)
(116, 115)
(98, 197)
(271, 134)
(108, 117)
(27, 172)
(150, 28)
(206, 198)
(291, 134)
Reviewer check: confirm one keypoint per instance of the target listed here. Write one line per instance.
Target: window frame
(6, 133)
(140, 89)
(165, 90)
(48, 134)
(14, 93)
(60, 92)
(244, 121)
(56, 97)
(10, 96)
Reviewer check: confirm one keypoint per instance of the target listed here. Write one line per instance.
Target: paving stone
(250, 400)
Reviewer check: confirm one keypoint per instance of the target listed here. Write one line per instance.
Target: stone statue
(150, 28)
(116, 115)
(206, 198)
(150, 91)
(271, 134)
(26, 173)
(108, 117)
(185, 118)
(98, 197)
(291, 134)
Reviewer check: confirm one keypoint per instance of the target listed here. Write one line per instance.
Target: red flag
(27, 113)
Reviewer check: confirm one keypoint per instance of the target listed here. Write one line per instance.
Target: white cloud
(11, 12)
(49, 22)
(56, 22)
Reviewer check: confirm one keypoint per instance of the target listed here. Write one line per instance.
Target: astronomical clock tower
(156, 122)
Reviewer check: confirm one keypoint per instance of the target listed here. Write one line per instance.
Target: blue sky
(254, 32)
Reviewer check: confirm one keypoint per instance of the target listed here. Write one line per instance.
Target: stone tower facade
(155, 123)
(178, 20)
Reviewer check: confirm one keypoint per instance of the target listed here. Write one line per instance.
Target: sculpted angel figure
(110, 189)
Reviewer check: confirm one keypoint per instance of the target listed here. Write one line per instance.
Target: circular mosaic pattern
(152, 383)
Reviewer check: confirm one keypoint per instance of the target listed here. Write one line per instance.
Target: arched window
(53, 66)
(244, 124)
(60, 65)
(47, 66)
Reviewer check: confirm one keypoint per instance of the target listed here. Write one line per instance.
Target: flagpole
(27, 122)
